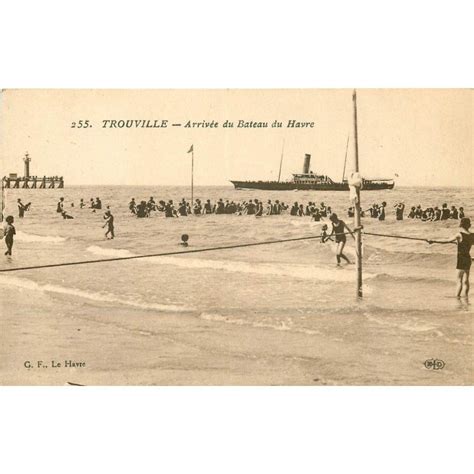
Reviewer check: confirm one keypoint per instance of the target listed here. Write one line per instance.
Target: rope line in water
(181, 252)
(399, 237)
(208, 249)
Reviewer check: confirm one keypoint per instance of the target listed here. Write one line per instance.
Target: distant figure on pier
(464, 240)
(110, 224)
(60, 206)
(8, 232)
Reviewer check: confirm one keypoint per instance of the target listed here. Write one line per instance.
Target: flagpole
(281, 159)
(192, 177)
(358, 234)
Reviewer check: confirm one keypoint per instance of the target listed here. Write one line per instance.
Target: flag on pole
(191, 149)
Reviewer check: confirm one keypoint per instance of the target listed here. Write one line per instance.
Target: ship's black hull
(290, 186)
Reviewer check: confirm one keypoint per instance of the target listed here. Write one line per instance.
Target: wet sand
(124, 346)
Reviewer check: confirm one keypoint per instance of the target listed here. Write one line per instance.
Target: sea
(292, 292)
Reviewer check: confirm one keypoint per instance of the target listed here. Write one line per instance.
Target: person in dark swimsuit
(338, 230)
(382, 211)
(464, 240)
(8, 232)
(399, 208)
(109, 222)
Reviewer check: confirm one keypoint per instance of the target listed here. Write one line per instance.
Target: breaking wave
(306, 272)
(24, 237)
(242, 322)
(96, 250)
(94, 296)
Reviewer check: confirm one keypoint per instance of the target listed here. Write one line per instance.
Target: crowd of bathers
(377, 211)
(255, 207)
(436, 213)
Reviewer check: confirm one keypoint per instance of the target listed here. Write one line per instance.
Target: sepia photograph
(236, 237)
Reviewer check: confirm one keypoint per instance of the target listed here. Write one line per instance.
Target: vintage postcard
(236, 237)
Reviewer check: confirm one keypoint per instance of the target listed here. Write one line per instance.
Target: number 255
(81, 124)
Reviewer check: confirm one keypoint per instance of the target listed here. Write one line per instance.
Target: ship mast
(281, 159)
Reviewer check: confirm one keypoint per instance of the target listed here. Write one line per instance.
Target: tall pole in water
(3, 199)
(358, 233)
(281, 159)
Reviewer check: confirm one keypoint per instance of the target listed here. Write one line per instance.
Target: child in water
(324, 234)
(109, 222)
(8, 232)
(184, 240)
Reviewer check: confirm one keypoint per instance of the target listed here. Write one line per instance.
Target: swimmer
(208, 207)
(21, 208)
(338, 228)
(382, 211)
(132, 206)
(324, 234)
(464, 240)
(66, 215)
(60, 206)
(184, 240)
(445, 212)
(317, 216)
(8, 232)
(110, 224)
(399, 209)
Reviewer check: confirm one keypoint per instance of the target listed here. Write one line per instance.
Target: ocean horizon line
(440, 186)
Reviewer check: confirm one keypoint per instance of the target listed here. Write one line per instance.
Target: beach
(280, 314)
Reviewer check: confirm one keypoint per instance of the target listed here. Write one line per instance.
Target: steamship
(309, 181)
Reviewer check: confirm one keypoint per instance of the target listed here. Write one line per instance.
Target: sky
(424, 136)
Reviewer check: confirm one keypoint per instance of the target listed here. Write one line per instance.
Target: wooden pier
(33, 182)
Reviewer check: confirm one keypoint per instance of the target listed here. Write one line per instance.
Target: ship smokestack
(307, 159)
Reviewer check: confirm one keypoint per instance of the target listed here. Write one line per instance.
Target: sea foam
(301, 271)
(94, 296)
(24, 237)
